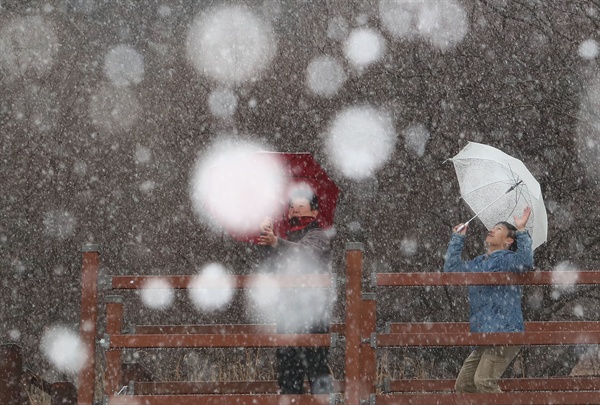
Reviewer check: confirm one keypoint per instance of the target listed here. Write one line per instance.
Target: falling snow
(360, 140)
(211, 290)
(157, 294)
(444, 24)
(588, 49)
(124, 66)
(232, 175)
(230, 44)
(59, 224)
(416, 138)
(363, 47)
(222, 103)
(28, 45)
(114, 110)
(64, 349)
(150, 130)
(325, 76)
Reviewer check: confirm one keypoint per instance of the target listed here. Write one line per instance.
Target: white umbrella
(497, 187)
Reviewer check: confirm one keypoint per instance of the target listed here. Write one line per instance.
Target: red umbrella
(303, 171)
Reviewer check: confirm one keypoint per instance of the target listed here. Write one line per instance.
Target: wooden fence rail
(557, 390)
(358, 334)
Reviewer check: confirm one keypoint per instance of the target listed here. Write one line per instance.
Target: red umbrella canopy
(304, 172)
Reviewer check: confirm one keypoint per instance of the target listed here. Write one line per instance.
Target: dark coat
(304, 309)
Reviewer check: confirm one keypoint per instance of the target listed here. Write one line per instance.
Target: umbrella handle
(463, 226)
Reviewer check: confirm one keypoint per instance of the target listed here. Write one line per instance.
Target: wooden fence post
(368, 357)
(89, 319)
(11, 372)
(354, 262)
(114, 325)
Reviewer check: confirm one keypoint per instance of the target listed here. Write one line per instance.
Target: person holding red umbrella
(306, 243)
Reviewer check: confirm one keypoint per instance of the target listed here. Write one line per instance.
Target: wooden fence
(358, 334)
(551, 390)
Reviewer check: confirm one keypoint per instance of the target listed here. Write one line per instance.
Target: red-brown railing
(188, 336)
(88, 322)
(553, 390)
(361, 338)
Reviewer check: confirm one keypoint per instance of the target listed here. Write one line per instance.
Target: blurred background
(106, 108)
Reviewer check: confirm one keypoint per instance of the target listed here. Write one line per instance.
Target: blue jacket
(493, 308)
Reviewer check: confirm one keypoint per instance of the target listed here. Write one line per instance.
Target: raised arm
(316, 240)
(453, 261)
(522, 260)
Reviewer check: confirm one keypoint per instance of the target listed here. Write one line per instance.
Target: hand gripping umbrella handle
(463, 226)
(488, 206)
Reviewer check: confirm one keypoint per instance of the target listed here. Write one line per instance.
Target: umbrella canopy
(496, 187)
(303, 172)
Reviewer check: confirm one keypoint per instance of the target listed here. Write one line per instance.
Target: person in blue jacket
(492, 308)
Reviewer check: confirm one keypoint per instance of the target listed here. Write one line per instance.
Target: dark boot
(290, 369)
(319, 374)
